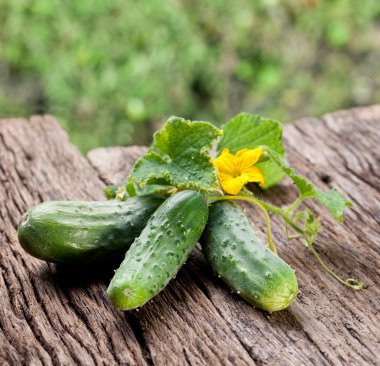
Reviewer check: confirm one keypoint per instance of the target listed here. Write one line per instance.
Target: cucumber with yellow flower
(212, 169)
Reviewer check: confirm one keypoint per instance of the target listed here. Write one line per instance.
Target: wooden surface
(54, 315)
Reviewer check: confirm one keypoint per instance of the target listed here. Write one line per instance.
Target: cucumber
(159, 252)
(76, 232)
(237, 255)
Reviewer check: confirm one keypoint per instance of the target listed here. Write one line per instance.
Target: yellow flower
(235, 171)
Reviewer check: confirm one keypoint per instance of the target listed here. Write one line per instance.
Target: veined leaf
(250, 131)
(332, 199)
(179, 156)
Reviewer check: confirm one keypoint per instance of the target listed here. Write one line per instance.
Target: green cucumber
(159, 252)
(237, 255)
(76, 232)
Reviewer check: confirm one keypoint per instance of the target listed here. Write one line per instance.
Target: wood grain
(61, 316)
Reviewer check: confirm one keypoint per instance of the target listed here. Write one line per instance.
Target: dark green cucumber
(238, 256)
(160, 251)
(84, 232)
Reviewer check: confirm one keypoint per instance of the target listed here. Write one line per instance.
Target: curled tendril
(355, 284)
(349, 282)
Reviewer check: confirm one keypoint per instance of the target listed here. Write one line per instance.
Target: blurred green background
(113, 71)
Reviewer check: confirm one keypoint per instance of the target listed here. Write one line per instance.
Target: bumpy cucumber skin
(76, 232)
(160, 251)
(237, 255)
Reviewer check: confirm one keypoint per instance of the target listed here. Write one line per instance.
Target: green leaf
(179, 156)
(250, 131)
(333, 199)
(159, 189)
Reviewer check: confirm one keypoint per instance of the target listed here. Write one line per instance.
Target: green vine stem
(271, 244)
(285, 214)
(266, 205)
(291, 208)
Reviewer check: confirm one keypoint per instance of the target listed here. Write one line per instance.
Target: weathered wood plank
(329, 323)
(112, 163)
(50, 315)
(44, 320)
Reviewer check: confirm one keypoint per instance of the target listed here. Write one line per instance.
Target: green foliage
(179, 157)
(250, 131)
(111, 71)
(333, 199)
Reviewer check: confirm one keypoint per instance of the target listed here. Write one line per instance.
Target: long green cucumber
(159, 252)
(237, 255)
(76, 232)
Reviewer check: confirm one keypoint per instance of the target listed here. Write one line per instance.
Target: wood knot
(325, 178)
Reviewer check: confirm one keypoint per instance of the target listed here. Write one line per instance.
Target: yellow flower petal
(254, 174)
(248, 157)
(232, 185)
(235, 171)
(225, 163)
